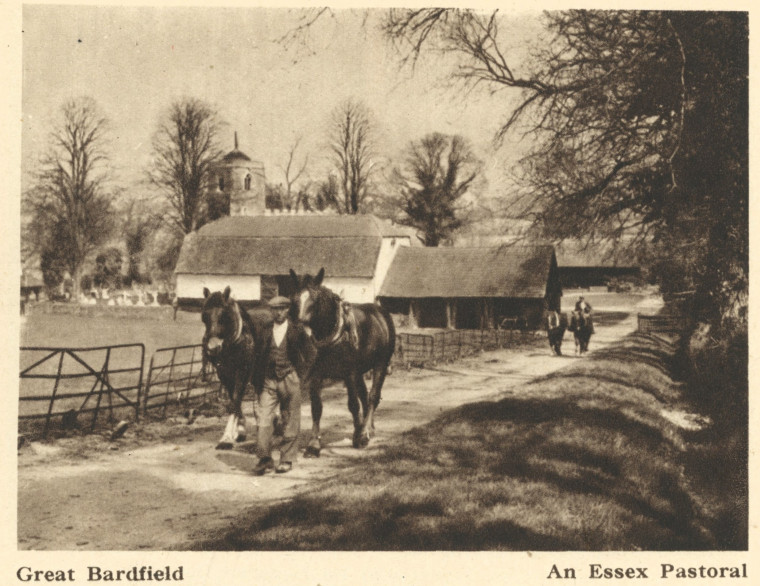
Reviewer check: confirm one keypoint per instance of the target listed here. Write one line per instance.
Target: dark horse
(556, 324)
(582, 328)
(229, 344)
(350, 341)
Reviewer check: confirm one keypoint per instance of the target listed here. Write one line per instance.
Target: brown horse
(350, 341)
(229, 343)
(582, 328)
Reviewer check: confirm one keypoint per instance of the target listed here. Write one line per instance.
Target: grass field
(72, 331)
(589, 458)
(41, 329)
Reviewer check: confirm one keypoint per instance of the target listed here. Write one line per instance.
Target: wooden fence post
(52, 398)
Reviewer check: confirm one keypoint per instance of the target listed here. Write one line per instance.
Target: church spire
(236, 142)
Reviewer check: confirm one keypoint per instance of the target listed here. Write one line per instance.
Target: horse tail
(391, 333)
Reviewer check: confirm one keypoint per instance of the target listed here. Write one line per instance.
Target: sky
(136, 61)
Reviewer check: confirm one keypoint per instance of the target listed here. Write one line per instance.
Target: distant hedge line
(161, 312)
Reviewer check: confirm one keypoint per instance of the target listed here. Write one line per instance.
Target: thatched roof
(346, 246)
(505, 271)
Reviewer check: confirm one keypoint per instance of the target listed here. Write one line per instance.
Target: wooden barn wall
(464, 313)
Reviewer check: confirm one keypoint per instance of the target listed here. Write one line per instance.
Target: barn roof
(301, 226)
(346, 246)
(505, 271)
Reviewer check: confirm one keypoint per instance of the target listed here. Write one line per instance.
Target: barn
(468, 288)
(254, 254)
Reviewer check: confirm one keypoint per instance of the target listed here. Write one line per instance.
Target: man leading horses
(284, 346)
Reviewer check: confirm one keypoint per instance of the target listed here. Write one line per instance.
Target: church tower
(240, 181)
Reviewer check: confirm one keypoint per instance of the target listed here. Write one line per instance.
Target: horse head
(221, 316)
(316, 306)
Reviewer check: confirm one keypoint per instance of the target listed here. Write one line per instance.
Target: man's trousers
(286, 393)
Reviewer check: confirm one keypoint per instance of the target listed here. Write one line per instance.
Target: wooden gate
(112, 373)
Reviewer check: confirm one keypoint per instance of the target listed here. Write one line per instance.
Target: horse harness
(345, 329)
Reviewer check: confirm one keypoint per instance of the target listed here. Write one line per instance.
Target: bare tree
(293, 172)
(138, 224)
(184, 151)
(350, 145)
(438, 170)
(640, 121)
(69, 203)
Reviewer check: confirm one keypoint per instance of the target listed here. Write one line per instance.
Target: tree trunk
(76, 287)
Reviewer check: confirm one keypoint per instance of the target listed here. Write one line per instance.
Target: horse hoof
(240, 438)
(224, 446)
(311, 452)
(361, 441)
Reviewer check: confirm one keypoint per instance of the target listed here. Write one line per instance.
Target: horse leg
(378, 378)
(241, 382)
(242, 433)
(235, 429)
(228, 438)
(353, 382)
(361, 388)
(314, 447)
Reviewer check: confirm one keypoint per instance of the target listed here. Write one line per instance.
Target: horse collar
(337, 333)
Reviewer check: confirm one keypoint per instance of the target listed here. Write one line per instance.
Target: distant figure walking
(583, 308)
(555, 330)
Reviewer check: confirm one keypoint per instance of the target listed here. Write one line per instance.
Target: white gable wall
(388, 249)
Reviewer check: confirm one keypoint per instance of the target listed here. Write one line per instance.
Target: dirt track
(129, 496)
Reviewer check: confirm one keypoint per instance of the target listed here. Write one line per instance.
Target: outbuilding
(594, 265)
(472, 288)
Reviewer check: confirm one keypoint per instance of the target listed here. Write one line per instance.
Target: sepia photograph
(345, 279)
